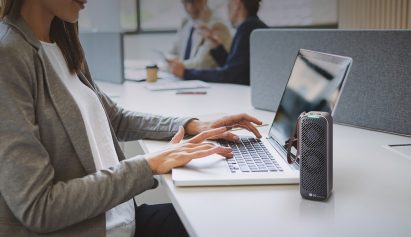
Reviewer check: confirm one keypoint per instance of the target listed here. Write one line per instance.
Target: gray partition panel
(377, 94)
(104, 54)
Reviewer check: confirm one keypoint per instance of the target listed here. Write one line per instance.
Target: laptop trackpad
(208, 165)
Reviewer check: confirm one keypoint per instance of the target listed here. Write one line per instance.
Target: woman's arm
(219, 55)
(130, 125)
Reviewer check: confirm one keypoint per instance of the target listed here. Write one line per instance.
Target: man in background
(234, 66)
(191, 48)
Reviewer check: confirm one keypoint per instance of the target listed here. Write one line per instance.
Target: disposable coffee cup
(152, 71)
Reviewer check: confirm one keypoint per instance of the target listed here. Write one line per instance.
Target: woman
(234, 67)
(62, 172)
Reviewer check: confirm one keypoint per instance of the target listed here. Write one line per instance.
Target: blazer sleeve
(130, 125)
(27, 182)
(219, 55)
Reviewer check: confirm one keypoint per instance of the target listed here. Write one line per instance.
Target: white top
(120, 219)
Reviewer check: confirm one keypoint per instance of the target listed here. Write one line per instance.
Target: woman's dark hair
(252, 6)
(65, 35)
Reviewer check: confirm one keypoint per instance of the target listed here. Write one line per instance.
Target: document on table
(175, 84)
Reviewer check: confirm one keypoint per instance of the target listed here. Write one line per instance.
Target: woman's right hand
(210, 35)
(179, 153)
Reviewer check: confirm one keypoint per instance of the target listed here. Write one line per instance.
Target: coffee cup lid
(154, 66)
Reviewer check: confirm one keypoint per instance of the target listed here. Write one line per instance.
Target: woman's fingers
(224, 151)
(181, 154)
(247, 126)
(207, 135)
(251, 128)
(227, 152)
(238, 118)
(197, 147)
(203, 150)
(228, 136)
(248, 118)
(178, 137)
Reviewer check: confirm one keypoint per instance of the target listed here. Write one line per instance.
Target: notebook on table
(175, 84)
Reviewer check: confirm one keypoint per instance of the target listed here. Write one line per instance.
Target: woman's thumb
(178, 137)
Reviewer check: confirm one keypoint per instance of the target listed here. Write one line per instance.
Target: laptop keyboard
(250, 155)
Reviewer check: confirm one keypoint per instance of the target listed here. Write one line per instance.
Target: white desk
(372, 185)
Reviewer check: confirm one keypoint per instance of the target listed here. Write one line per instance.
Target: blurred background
(151, 24)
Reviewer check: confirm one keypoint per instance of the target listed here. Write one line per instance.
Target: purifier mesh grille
(313, 155)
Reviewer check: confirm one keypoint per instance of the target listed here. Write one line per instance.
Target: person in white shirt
(190, 48)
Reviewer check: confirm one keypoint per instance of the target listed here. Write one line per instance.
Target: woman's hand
(210, 35)
(178, 154)
(240, 120)
(176, 67)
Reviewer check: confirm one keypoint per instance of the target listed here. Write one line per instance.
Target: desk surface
(372, 189)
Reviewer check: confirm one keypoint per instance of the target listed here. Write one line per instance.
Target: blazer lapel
(69, 114)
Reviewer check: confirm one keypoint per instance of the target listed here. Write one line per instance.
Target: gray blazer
(48, 181)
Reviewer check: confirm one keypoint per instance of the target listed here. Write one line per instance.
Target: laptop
(315, 84)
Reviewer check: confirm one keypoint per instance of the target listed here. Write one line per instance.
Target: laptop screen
(315, 84)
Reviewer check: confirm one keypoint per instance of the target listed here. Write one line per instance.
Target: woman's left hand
(244, 121)
(210, 35)
(177, 68)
